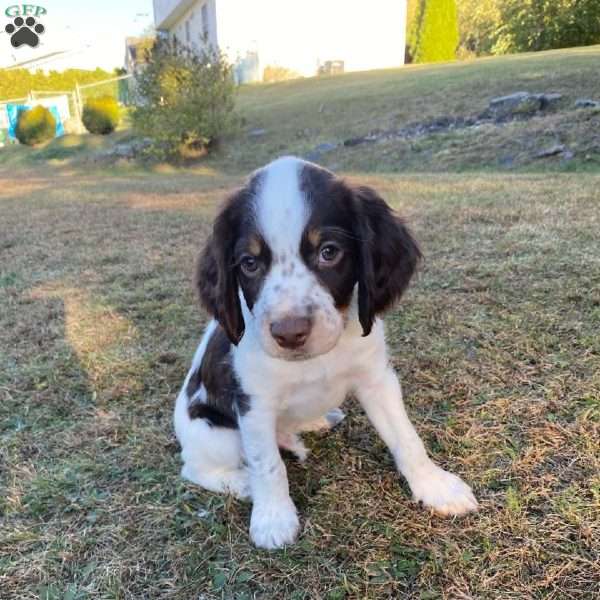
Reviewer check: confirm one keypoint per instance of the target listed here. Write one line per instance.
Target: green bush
(101, 115)
(185, 100)
(272, 73)
(433, 33)
(35, 125)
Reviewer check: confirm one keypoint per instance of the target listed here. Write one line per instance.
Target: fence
(120, 88)
(74, 125)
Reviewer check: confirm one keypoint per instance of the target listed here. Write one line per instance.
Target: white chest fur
(302, 391)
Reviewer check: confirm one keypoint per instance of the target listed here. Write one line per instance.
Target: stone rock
(316, 154)
(255, 133)
(326, 147)
(354, 141)
(548, 100)
(519, 103)
(507, 161)
(367, 139)
(123, 151)
(587, 103)
(128, 150)
(551, 151)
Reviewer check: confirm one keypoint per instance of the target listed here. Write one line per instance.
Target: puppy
(298, 269)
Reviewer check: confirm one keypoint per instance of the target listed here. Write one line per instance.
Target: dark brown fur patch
(217, 273)
(225, 399)
(332, 219)
(389, 256)
(379, 250)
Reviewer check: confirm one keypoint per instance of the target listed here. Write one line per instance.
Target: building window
(205, 21)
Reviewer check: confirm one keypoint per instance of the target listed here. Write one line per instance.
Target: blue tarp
(13, 110)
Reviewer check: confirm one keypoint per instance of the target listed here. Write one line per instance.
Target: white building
(299, 36)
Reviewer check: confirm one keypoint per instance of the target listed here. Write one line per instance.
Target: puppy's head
(291, 249)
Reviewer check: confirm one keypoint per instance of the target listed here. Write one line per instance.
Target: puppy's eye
(329, 255)
(250, 265)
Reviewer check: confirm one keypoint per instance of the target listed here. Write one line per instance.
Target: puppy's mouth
(296, 355)
(299, 354)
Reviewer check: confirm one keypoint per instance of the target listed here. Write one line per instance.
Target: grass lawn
(496, 343)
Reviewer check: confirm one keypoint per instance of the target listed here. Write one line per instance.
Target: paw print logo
(24, 31)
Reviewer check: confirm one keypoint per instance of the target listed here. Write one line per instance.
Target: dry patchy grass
(298, 115)
(497, 344)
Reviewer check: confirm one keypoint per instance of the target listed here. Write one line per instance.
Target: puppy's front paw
(442, 491)
(274, 524)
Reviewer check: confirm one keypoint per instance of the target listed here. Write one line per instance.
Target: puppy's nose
(291, 332)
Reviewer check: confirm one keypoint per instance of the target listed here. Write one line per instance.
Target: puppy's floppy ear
(388, 256)
(216, 278)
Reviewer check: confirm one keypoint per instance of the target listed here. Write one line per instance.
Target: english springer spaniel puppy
(298, 269)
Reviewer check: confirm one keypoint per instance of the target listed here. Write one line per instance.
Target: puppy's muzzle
(291, 333)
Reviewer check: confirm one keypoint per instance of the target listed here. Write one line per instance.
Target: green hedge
(35, 125)
(433, 31)
(101, 115)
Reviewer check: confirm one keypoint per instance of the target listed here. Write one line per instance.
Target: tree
(478, 23)
(433, 30)
(413, 23)
(530, 25)
(503, 26)
(17, 83)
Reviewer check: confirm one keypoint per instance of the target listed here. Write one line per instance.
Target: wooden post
(78, 107)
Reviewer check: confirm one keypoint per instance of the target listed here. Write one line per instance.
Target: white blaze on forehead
(281, 207)
(290, 288)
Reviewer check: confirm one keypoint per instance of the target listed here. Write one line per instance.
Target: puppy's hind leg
(293, 443)
(212, 458)
(212, 455)
(328, 421)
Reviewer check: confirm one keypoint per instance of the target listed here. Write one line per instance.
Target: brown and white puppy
(296, 273)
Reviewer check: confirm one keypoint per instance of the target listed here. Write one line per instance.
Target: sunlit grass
(496, 344)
